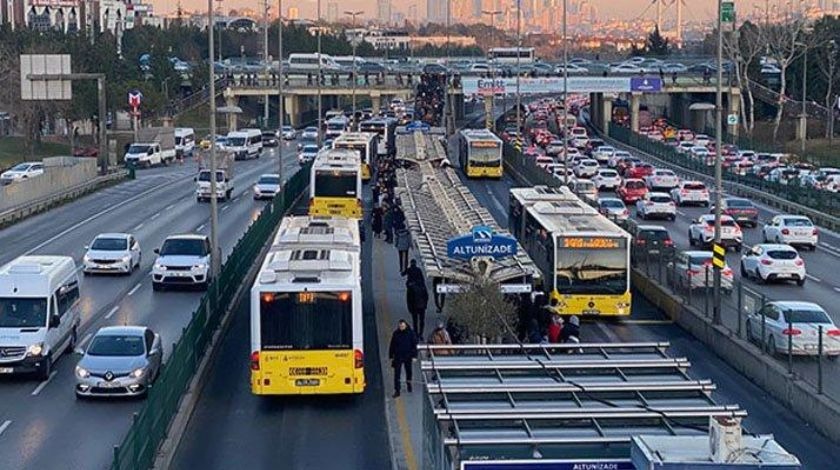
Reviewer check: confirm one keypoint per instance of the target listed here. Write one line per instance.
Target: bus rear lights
(255, 360)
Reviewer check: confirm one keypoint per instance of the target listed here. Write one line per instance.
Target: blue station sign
(548, 465)
(646, 84)
(481, 241)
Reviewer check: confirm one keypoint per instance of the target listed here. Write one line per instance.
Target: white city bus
(306, 311)
(365, 143)
(335, 126)
(507, 55)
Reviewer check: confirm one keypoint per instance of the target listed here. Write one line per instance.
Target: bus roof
(562, 213)
(303, 267)
(474, 135)
(355, 137)
(337, 159)
(337, 232)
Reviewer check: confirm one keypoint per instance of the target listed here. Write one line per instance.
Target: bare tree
(827, 63)
(744, 48)
(483, 310)
(786, 42)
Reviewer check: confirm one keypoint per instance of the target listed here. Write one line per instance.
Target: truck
(224, 178)
(154, 146)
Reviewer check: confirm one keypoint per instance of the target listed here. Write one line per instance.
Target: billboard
(549, 85)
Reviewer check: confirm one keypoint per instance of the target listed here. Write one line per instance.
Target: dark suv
(650, 238)
(742, 210)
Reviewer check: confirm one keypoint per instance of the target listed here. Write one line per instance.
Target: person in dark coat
(571, 329)
(414, 273)
(402, 351)
(417, 299)
(534, 334)
(388, 223)
(402, 242)
(376, 222)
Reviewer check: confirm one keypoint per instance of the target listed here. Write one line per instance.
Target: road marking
(138, 227)
(648, 322)
(813, 278)
(830, 247)
(4, 426)
(85, 340)
(169, 207)
(200, 228)
(837, 289)
(134, 289)
(99, 214)
(112, 312)
(43, 384)
(682, 213)
(225, 208)
(155, 216)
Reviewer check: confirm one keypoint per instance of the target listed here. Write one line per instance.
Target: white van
(40, 313)
(184, 142)
(244, 144)
(310, 62)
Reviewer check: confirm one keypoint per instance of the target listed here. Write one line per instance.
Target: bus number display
(306, 297)
(597, 243)
(485, 145)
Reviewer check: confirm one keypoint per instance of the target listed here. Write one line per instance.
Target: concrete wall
(60, 174)
(770, 375)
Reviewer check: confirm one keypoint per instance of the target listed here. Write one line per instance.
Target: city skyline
(695, 10)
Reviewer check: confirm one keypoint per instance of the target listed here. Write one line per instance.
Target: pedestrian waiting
(402, 352)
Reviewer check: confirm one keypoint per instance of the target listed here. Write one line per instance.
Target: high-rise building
(294, 13)
(436, 11)
(383, 11)
(332, 12)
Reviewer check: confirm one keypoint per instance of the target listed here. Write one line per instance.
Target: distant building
(332, 12)
(383, 11)
(95, 16)
(436, 11)
(382, 39)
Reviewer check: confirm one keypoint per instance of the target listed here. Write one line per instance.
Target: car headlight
(86, 259)
(160, 267)
(200, 266)
(35, 349)
(82, 373)
(126, 258)
(137, 373)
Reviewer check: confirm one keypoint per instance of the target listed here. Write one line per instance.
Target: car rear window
(695, 187)
(725, 222)
(739, 203)
(798, 223)
(782, 254)
(634, 184)
(658, 235)
(660, 199)
(806, 316)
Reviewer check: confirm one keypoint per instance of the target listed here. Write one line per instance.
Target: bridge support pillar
(231, 101)
(595, 108)
(606, 113)
(376, 102)
(634, 111)
(292, 107)
(733, 107)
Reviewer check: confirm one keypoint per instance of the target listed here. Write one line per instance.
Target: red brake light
(834, 332)
(799, 262)
(669, 242)
(815, 232)
(766, 262)
(255, 360)
(791, 332)
(358, 359)
(785, 231)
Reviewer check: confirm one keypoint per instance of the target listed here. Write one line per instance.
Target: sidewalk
(404, 414)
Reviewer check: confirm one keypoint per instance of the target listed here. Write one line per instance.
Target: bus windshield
(485, 156)
(306, 320)
(335, 184)
(595, 271)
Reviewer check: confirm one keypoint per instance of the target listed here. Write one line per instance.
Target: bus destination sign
(592, 243)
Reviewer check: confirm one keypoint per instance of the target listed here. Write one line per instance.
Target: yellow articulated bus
(585, 257)
(365, 143)
(480, 153)
(306, 311)
(335, 187)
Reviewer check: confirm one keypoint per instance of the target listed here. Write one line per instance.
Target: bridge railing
(148, 430)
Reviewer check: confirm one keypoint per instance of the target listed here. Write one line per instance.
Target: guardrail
(39, 205)
(823, 207)
(149, 429)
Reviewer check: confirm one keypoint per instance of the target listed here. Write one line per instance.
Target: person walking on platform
(402, 352)
(388, 222)
(417, 299)
(402, 241)
(376, 222)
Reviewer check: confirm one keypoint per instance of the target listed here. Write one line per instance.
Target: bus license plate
(6, 370)
(307, 382)
(591, 312)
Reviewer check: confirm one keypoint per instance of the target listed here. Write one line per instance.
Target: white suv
(656, 205)
(770, 262)
(607, 179)
(691, 192)
(662, 179)
(183, 260)
(792, 230)
(702, 232)
(586, 168)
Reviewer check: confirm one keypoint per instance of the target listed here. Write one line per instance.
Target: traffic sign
(135, 97)
(718, 256)
(646, 84)
(727, 12)
(732, 119)
(481, 241)
(40, 89)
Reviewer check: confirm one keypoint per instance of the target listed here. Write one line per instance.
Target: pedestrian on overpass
(402, 352)
(402, 242)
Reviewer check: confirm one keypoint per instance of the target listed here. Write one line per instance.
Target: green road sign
(727, 12)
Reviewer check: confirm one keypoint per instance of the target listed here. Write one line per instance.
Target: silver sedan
(120, 361)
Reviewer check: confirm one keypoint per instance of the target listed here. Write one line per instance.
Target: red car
(631, 190)
(639, 171)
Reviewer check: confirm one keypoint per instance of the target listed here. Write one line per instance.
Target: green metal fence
(139, 447)
(818, 200)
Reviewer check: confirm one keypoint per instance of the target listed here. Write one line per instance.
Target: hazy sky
(695, 10)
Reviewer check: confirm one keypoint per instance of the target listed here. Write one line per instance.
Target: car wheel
(72, 344)
(764, 237)
(758, 277)
(750, 336)
(771, 346)
(690, 239)
(46, 369)
(814, 248)
(672, 217)
(157, 286)
(800, 282)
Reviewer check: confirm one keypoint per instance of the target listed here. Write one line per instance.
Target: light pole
(447, 100)
(492, 107)
(718, 162)
(266, 65)
(281, 103)
(220, 33)
(518, 61)
(320, 74)
(804, 118)
(354, 42)
(214, 203)
(565, 95)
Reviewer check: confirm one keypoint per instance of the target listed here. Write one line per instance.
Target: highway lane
(766, 415)
(43, 415)
(324, 432)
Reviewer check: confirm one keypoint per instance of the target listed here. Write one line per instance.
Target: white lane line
(225, 208)
(169, 207)
(4, 426)
(80, 268)
(43, 384)
(155, 216)
(134, 289)
(138, 226)
(813, 278)
(837, 289)
(200, 228)
(112, 312)
(682, 213)
(830, 247)
(85, 340)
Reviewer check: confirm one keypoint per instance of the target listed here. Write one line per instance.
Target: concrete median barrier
(798, 395)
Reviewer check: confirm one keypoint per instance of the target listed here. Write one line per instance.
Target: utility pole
(804, 98)
(266, 64)
(718, 163)
(518, 62)
(220, 34)
(320, 74)
(446, 98)
(354, 42)
(215, 261)
(565, 94)
(281, 102)
(492, 117)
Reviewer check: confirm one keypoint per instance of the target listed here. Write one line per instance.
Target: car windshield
(236, 141)
(110, 244)
(700, 259)
(608, 174)
(21, 167)
(310, 149)
(694, 187)
(798, 223)
(183, 247)
(612, 204)
(782, 254)
(269, 180)
(117, 345)
(806, 316)
(23, 312)
(138, 148)
(311, 130)
(205, 176)
(740, 203)
(654, 235)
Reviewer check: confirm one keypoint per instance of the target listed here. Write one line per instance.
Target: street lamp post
(804, 97)
(354, 42)
(718, 162)
(220, 33)
(565, 95)
(214, 203)
(266, 64)
(281, 104)
(518, 62)
(320, 74)
(492, 117)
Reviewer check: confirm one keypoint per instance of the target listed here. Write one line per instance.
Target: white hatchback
(662, 179)
(691, 192)
(792, 230)
(586, 168)
(607, 179)
(656, 205)
(772, 262)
